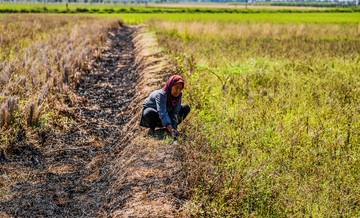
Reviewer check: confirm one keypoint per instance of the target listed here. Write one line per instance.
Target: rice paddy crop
(263, 17)
(274, 128)
(275, 125)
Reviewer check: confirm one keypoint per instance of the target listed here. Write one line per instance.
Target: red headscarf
(172, 81)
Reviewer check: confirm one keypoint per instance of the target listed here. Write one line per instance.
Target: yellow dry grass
(273, 30)
(144, 165)
(62, 168)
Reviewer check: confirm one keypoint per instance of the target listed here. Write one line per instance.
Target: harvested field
(101, 165)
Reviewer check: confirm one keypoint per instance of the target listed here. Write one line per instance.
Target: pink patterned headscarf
(172, 81)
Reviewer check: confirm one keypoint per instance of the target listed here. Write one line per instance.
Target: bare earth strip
(102, 165)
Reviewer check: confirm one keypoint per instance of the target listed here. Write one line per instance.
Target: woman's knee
(185, 108)
(149, 111)
(151, 115)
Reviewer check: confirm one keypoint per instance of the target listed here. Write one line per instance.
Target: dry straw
(40, 60)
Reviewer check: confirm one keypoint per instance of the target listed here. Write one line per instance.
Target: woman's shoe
(151, 132)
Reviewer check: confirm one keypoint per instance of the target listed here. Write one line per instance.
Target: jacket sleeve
(160, 100)
(174, 115)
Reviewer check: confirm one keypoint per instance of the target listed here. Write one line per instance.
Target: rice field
(274, 128)
(275, 125)
(263, 17)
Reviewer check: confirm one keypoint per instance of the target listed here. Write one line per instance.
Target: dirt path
(96, 168)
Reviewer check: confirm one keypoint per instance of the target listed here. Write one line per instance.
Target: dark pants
(151, 117)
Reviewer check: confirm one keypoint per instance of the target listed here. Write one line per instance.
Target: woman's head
(176, 89)
(174, 85)
(173, 88)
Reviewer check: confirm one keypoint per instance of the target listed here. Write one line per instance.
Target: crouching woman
(163, 108)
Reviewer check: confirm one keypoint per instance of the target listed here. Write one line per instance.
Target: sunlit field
(344, 18)
(164, 7)
(274, 129)
(275, 124)
(40, 56)
(231, 6)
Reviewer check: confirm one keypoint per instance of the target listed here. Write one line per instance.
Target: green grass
(302, 4)
(244, 18)
(137, 8)
(274, 129)
(135, 14)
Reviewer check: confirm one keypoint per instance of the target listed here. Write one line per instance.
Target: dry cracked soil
(96, 168)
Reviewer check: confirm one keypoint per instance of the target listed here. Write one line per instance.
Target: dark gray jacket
(157, 100)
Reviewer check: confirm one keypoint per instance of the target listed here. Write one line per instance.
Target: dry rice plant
(40, 55)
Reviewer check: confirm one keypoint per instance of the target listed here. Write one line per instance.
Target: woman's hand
(174, 133)
(169, 128)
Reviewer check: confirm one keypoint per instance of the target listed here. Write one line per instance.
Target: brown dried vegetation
(40, 55)
(41, 60)
(98, 164)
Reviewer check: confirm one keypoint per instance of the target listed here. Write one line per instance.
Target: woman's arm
(174, 115)
(160, 100)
